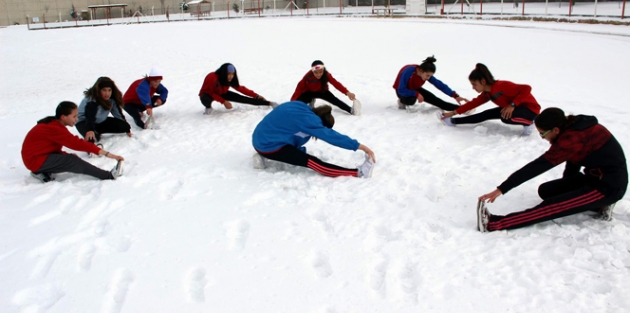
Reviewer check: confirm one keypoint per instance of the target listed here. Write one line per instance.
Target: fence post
(228, 9)
(44, 18)
(442, 8)
(28, 24)
(523, 5)
(258, 8)
(168, 16)
(341, 12)
(462, 9)
(306, 7)
(623, 9)
(570, 7)
(481, 7)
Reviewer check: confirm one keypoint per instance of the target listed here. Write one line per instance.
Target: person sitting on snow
(42, 154)
(145, 94)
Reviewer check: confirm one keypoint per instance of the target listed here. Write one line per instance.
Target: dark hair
(428, 65)
(222, 72)
(324, 79)
(481, 72)
(553, 117)
(64, 108)
(324, 112)
(94, 92)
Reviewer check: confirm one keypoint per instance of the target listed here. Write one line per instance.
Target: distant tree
(235, 7)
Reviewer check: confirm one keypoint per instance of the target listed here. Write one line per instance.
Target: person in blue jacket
(409, 82)
(282, 133)
(101, 100)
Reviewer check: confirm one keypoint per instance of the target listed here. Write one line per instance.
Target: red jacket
(310, 83)
(504, 93)
(214, 89)
(46, 139)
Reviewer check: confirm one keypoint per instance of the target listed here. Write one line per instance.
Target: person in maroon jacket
(42, 154)
(517, 105)
(216, 87)
(314, 85)
(141, 96)
(581, 142)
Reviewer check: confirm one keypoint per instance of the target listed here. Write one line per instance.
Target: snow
(192, 227)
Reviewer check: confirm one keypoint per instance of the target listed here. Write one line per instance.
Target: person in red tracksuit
(517, 105)
(581, 142)
(314, 85)
(216, 87)
(42, 154)
(141, 96)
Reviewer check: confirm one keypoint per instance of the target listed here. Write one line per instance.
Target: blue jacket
(407, 83)
(294, 123)
(92, 113)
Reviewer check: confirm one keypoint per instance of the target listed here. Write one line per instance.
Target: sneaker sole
(356, 107)
(480, 211)
(119, 169)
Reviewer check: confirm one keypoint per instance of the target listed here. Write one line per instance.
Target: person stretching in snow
(314, 85)
(409, 82)
(42, 154)
(580, 141)
(282, 133)
(517, 105)
(100, 100)
(141, 96)
(216, 87)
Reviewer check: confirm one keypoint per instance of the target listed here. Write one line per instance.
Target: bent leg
(292, 155)
(559, 186)
(134, 111)
(206, 100)
(406, 100)
(520, 116)
(59, 163)
(430, 98)
(112, 125)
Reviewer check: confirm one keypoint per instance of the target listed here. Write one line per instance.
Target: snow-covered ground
(192, 227)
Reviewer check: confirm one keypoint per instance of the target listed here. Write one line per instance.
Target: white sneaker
(207, 111)
(312, 104)
(259, 161)
(401, 105)
(274, 105)
(365, 169)
(117, 171)
(483, 217)
(446, 121)
(43, 177)
(527, 130)
(356, 108)
(149, 122)
(607, 212)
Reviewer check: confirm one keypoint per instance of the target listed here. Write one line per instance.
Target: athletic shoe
(401, 105)
(207, 111)
(527, 130)
(312, 104)
(43, 177)
(149, 123)
(117, 171)
(446, 121)
(92, 155)
(483, 217)
(259, 161)
(356, 108)
(365, 169)
(607, 212)
(274, 105)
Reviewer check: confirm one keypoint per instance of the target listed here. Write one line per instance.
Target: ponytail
(324, 113)
(428, 65)
(481, 72)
